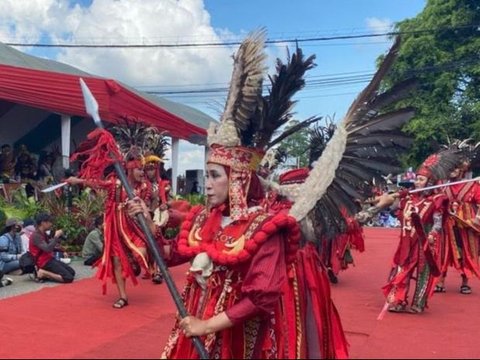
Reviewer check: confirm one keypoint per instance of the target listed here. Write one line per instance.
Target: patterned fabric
(242, 163)
(236, 157)
(461, 237)
(248, 276)
(410, 261)
(122, 235)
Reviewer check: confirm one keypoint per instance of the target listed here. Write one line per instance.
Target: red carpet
(448, 329)
(76, 321)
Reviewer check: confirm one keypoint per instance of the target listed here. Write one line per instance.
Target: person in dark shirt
(42, 248)
(93, 246)
(10, 246)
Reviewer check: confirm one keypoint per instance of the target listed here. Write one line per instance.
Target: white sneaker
(6, 281)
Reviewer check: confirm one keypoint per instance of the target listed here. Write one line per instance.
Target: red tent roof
(60, 92)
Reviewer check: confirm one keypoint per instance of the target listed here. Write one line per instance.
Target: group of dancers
(262, 252)
(439, 229)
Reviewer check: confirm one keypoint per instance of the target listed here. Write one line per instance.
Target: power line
(312, 87)
(234, 43)
(317, 82)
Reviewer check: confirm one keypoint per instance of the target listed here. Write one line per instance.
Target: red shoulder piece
(254, 232)
(258, 233)
(190, 219)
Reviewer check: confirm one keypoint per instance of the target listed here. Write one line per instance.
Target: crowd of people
(50, 260)
(33, 170)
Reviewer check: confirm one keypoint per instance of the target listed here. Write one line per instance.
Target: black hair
(98, 221)
(6, 229)
(28, 222)
(43, 217)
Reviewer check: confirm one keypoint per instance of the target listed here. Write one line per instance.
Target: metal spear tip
(91, 104)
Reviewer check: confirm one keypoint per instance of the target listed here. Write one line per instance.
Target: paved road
(24, 283)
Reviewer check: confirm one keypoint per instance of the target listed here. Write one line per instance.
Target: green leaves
(446, 61)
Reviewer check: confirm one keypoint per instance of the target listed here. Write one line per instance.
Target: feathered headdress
(250, 120)
(96, 154)
(277, 109)
(136, 140)
(438, 166)
(244, 94)
(125, 142)
(229, 139)
(470, 158)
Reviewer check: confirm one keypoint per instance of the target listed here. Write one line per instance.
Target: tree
(441, 47)
(297, 144)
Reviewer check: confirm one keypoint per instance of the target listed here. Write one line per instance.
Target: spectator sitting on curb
(11, 247)
(27, 231)
(93, 246)
(42, 249)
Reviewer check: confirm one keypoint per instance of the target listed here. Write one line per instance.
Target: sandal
(465, 289)
(120, 303)
(439, 289)
(157, 278)
(39, 280)
(399, 308)
(415, 310)
(331, 276)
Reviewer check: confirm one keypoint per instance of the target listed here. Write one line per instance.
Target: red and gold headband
(242, 162)
(134, 164)
(236, 157)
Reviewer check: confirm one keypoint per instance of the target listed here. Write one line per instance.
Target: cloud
(379, 26)
(132, 22)
(191, 157)
(124, 22)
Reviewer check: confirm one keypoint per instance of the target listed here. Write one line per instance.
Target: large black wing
(364, 147)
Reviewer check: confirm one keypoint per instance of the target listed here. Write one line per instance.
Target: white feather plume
(321, 175)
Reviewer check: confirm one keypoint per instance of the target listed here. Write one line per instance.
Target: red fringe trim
(97, 153)
(278, 223)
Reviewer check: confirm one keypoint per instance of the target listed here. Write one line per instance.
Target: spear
(91, 107)
(444, 185)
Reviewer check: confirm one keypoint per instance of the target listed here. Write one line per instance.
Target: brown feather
(246, 84)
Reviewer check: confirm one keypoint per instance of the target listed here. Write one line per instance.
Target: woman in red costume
(161, 187)
(160, 192)
(245, 289)
(462, 226)
(418, 255)
(125, 246)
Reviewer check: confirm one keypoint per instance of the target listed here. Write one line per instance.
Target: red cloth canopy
(61, 93)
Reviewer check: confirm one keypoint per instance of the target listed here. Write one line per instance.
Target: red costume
(409, 260)
(418, 255)
(309, 274)
(122, 236)
(461, 237)
(336, 253)
(353, 239)
(277, 296)
(248, 277)
(246, 262)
